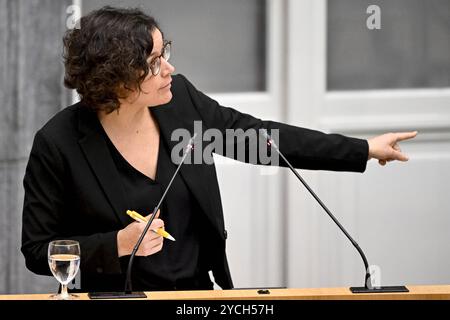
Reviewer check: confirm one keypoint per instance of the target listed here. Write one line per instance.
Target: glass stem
(64, 293)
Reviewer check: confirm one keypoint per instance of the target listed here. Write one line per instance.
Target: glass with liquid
(64, 262)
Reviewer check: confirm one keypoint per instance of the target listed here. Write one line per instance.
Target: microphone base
(379, 289)
(117, 295)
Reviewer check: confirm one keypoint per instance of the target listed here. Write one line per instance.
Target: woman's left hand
(385, 147)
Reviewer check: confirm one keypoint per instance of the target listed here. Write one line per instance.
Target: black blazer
(70, 181)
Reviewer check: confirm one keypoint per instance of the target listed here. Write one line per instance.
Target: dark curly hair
(106, 57)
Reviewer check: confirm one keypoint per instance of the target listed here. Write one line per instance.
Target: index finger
(157, 223)
(400, 136)
(156, 216)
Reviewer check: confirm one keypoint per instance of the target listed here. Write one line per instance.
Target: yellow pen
(136, 216)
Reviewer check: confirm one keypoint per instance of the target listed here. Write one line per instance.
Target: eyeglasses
(155, 64)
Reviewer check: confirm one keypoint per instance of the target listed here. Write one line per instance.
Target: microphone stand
(368, 288)
(128, 292)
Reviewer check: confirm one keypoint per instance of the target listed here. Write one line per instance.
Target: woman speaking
(111, 152)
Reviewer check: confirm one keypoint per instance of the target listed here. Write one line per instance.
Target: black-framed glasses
(155, 64)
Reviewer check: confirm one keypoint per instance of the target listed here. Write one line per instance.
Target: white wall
(399, 214)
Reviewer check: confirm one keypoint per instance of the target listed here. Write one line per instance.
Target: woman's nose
(166, 67)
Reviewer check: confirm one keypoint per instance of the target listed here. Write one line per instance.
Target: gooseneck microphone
(368, 288)
(128, 292)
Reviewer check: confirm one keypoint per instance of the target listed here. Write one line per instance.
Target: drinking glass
(64, 262)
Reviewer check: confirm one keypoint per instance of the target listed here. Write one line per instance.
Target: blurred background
(354, 67)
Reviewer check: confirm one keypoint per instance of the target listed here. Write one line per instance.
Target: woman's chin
(166, 98)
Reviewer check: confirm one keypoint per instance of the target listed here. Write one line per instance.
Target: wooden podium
(438, 292)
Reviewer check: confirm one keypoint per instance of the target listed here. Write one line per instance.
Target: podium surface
(434, 292)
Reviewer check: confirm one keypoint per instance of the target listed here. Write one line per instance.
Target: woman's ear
(126, 94)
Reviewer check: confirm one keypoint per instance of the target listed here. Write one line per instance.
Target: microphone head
(270, 141)
(190, 145)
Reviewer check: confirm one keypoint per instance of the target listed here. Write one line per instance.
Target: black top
(177, 265)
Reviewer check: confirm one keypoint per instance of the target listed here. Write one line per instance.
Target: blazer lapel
(99, 158)
(196, 177)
